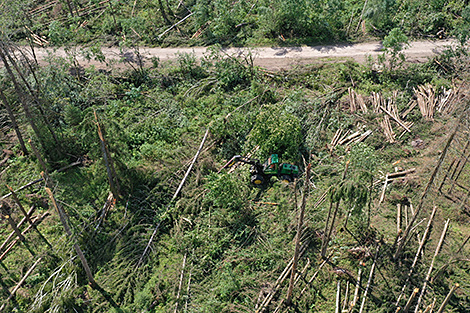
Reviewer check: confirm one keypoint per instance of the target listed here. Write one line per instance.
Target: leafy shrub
(276, 131)
(59, 34)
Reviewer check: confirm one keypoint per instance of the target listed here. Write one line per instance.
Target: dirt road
(271, 58)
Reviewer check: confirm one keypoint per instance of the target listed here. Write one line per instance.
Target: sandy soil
(270, 58)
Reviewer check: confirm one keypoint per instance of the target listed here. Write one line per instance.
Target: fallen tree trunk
(438, 248)
(13, 292)
(174, 196)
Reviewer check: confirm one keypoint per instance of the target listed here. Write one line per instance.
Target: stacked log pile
(426, 98)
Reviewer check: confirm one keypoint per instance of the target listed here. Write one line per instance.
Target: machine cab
(272, 164)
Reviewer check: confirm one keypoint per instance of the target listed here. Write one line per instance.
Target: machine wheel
(287, 178)
(257, 180)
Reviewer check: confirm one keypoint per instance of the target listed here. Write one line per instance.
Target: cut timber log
(396, 119)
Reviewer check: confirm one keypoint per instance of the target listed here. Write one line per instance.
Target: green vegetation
(241, 22)
(220, 244)
(234, 239)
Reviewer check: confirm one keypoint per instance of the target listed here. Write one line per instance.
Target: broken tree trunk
(21, 95)
(13, 292)
(14, 242)
(191, 166)
(438, 248)
(78, 250)
(369, 282)
(26, 216)
(358, 286)
(445, 266)
(180, 285)
(12, 234)
(418, 253)
(6, 212)
(174, 196)
(32, 93)
(299, 233)
(15, 197)
(12, 117)
(174, 25)
(39, 157)
(404, 238)
(314, 275)
(112, 176)
(267, 300)
(446, 300)
(329, 229)
(410, 300)
(298, 276)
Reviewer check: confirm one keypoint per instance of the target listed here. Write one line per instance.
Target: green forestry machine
(262, 173)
